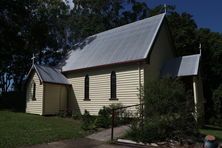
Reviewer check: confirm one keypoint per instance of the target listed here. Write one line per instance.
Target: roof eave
(57, 83)
(106, 65)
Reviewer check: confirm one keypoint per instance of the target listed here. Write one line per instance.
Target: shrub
(76, 115)
(217, 100)
(122, 116)
(104, 118)
(135, 132)
(88, 121)
(168, 112)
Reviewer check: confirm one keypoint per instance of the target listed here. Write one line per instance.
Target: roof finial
(200, 47)
(165, 8)
(33, 59)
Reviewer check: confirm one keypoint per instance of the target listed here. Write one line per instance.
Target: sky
(206, 13)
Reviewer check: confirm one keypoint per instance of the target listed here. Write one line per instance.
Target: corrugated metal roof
(126, 43)
(50, 75)
(182, 66)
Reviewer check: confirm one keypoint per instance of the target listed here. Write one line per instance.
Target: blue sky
(206, 13)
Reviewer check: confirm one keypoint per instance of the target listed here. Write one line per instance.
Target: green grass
(213, 130)
(20, 129)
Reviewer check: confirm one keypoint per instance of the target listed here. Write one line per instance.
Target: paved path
(96, 140)
(78, 143)
(105, 135)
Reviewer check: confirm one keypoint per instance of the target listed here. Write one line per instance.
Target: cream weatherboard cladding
(127, 78)
(55, 98)
(51, 90)
(34, 106)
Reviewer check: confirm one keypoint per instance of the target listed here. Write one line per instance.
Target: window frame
(86, 88)
(33, 91)
(113, 86)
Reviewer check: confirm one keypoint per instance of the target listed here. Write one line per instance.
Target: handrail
(113, 116)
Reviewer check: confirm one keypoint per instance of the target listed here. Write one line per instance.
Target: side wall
(55, 98)
(34, 106)
(162, 51)
(127, 78)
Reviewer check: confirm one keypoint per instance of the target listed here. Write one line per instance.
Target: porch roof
(49, 74)
(182, 66)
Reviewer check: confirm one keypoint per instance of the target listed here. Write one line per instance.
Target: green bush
(104, 118)
(88, 121)
(76, 115)
(168, 112)
(135, 132)
(122, 115)
(217, 100)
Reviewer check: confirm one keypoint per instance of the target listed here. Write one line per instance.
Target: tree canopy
(49, 29)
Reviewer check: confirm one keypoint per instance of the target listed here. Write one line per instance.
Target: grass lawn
(19, 129)
(213, 130)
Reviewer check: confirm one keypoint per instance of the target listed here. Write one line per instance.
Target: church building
(111, 67)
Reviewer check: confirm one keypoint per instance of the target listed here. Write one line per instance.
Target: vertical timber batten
(43, 100)
(139, 69)
(195, 94)
(198, 100)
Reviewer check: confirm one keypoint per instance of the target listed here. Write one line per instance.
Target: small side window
(113, 85)
(86, 91)
(34, 91)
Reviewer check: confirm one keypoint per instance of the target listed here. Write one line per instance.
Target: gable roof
(131, 42)
(49, 75)
(182, 66)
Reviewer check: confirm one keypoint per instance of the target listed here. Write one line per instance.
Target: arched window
(113, 85)
(34, 91)
(86, 87)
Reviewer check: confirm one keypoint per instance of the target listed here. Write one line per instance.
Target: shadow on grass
(213, 127)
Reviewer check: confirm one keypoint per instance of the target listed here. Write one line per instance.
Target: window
(34, 91)
(86, 88)
(113, 85)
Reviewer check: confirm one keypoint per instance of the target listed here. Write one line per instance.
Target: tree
(30, 27)
(49, 29)
(211, 66)
(89, 17)
(183, 28)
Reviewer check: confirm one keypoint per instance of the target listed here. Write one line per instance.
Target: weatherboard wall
(34, 106)
(55, 98)
(127, 80)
